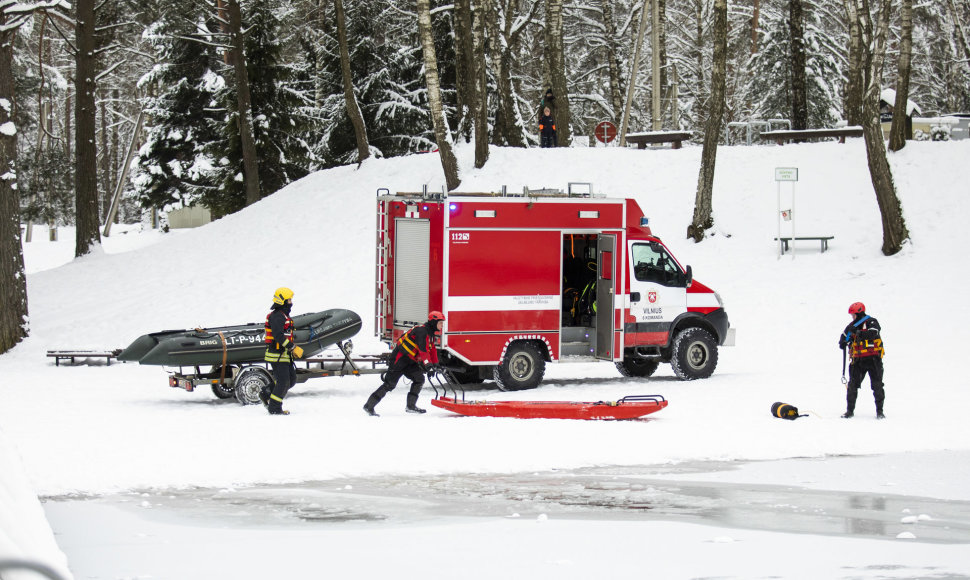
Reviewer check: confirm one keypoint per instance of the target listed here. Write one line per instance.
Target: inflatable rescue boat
(313, 332)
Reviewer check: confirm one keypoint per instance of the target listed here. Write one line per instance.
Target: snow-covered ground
(96, 429)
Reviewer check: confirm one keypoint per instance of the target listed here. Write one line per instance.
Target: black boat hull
(243, 343)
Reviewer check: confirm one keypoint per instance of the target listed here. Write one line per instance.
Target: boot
(275, 407)
(375, 398)
(412, 404)
(879, 414)
(848, 415)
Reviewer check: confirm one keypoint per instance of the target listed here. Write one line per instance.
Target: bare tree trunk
(894, 232)
(853, 86)
(612, 60)
(115, 143)
(796, 28)
(557, 70)
(85, 122)
(465, 77)
(480, 85)
(961, 33)
(443, 137)
(700, 115)
(662, 32)
(13, 283)
(353, 109)
(634, 70)
(244, 109)
(104, 164)
(897, 131)
(703, 204)
(509, 128)
(755, 17)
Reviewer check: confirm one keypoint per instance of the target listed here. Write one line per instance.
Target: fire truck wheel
(694, 354)
(249, 382)
(637, 367)
(522, 368)
(222, 390)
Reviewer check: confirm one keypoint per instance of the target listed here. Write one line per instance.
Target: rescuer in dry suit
(280, 351)
(864, 342)
(414, 355)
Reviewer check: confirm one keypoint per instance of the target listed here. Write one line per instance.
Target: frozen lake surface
(148, 534)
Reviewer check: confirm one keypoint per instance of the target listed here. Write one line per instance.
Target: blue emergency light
(644, 222)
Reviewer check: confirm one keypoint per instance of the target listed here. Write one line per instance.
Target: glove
(297, 352)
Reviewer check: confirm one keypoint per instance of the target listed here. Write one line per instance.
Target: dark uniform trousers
(284, 373)
(857, 372)
(402, 366)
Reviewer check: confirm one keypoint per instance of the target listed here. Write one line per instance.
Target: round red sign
(605, 131)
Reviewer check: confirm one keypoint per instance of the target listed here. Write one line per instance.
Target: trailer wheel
(694, 354)
(249, 382)
(223, 390)
(637, 366)
(522, 368)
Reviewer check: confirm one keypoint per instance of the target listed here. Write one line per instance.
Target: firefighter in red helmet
(862, 338)
(414, 355)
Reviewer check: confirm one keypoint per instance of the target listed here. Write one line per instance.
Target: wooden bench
(71, 355)
(823, 239)
(804, 134)
(655, 137)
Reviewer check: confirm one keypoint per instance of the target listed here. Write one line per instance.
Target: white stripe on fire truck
(706, 299)
(503, 303)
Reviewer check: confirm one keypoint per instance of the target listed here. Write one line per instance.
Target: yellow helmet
(282, 295)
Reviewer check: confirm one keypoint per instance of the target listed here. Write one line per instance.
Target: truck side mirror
(634, 296)
(689, 277)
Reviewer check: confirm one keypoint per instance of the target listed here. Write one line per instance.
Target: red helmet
(857, 307)
(435, 315)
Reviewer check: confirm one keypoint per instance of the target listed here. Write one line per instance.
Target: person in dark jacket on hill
(414, 355)
(280, 351)
(548, 100)
(862, 338)
(547, 129)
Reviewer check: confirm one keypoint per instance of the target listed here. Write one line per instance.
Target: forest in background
(174, 61)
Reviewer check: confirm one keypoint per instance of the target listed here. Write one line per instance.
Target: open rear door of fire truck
(605, 282)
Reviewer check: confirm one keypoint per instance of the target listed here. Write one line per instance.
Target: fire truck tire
(223, 390)
(694, 354)
(637, 367)
(249, 382)
(522, 368)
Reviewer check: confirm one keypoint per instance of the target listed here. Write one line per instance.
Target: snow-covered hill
(316, 236)
(101, 428)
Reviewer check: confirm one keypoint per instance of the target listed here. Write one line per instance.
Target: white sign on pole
(786, 174)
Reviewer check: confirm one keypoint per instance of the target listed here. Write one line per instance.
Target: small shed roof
(889, 96)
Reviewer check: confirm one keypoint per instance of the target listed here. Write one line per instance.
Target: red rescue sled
(629, 407)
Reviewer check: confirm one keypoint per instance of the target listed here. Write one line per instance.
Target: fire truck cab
(541, 277)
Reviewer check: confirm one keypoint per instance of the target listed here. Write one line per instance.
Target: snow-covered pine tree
(174, 167)
(387, 73)
(770, 67)
(281, 99)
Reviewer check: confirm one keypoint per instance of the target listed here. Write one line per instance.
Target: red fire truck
(541, 277)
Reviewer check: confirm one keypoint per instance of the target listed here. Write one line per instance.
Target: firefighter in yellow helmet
(414, 355)
(280, 351)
